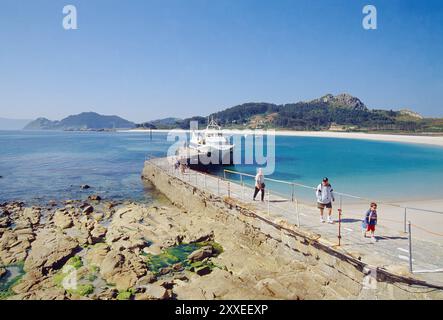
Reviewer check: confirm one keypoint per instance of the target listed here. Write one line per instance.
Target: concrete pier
(291, 225)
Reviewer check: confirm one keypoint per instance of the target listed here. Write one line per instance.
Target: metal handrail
(337, 193)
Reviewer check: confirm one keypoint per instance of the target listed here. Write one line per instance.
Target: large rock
(121, 271)
(146, 280)
(201, 254)
(34, 287)
(14, 246)
(50, 251)
(154, 292)
(62, 220)
(98, 233)
(2, 272)
(32, 215)
(111, 264)
(4, 222)
(97, 254)
(124, 280)
(88, 210)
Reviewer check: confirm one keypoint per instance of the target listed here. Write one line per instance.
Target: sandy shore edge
(425, 140)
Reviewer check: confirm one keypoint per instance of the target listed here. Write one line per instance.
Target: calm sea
(40, 166)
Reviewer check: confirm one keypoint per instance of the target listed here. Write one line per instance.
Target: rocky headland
(106, 250)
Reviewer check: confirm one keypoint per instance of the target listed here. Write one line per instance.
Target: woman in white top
(259, 184)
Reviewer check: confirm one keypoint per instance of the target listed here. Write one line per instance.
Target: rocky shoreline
(104, 250)
(107, 250)
(96, 250)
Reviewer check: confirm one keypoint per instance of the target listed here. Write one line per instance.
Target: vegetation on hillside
(340, 113)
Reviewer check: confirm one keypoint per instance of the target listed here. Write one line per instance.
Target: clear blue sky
(144, 59)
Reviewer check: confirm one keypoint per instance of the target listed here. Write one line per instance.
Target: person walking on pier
(371, 220)
(325, 196)
(259, 185)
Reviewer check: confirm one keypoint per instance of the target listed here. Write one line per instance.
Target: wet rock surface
(106, 247)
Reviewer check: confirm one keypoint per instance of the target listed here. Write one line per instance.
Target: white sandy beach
(416, 139)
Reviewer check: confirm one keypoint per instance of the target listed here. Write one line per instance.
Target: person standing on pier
(325, 196)
(259, 184)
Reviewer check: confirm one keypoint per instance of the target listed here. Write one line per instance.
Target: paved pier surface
(391, 251)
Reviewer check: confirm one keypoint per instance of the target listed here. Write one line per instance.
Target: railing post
(293, 187)
(410, 246)
(339, 220)
(298, 213)
(339, 227)
(405, 217)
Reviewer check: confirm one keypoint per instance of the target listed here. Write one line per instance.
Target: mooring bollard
(410, 246)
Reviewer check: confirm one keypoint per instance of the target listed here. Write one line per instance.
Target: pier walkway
(391, 251)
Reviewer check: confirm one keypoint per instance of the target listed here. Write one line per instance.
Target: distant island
(82, 121)
(342, 112)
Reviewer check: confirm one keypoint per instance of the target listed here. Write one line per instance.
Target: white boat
(212, 143)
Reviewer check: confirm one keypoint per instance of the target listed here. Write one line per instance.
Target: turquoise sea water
(42, 166)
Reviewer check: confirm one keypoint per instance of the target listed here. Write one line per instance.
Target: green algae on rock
(11, 276)
(177, 256)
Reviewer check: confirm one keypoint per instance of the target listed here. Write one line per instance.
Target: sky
(145, 59)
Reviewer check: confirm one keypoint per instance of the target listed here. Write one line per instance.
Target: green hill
(342, 113)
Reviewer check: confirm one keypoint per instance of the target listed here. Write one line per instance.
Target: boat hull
(210, 155)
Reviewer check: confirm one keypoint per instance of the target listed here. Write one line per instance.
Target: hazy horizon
(147, 60)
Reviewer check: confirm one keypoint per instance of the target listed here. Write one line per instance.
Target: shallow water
(171, 256)
(42, 166)
(46, 165)
(13, 273)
